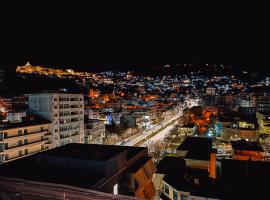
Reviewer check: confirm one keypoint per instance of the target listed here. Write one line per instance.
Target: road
(155, 134)
(158, 137)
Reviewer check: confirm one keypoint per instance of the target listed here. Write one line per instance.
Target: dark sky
(96, 37)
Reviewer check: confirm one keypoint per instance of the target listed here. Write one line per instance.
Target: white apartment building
(66, 113)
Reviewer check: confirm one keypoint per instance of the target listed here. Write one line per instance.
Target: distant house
(198, 153)
(243, 150)
(175, 181)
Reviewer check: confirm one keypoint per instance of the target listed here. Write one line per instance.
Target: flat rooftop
(244, 145)
(245, 179)
(198, 148)
(70, 172)
(29, 121)
(95, 152)
(171, 165)
(30, 169)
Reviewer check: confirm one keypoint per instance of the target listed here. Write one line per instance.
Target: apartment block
(20, 139)
(66, 113)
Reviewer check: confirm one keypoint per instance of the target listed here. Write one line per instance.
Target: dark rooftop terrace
(92, 152)
(198, 148)
(83, 171)
(29, 169)
(244, 145)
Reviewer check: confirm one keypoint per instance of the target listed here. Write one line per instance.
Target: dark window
(19, 132)
(166, 189)
(41, 128)
(20, 143)
(1, 136)
(21, 153)
(25, 141)
(55, 99)
(25, 131)
(26, 151)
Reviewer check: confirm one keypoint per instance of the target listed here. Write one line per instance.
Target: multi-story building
(244, 103)
(94, 131)
(243, 150)
(15, 116)
(19, 102)
(26, 137)
(211, 91)
(189, 175)
(263, 119)
(260, 101)
(66, 113)
(5, 104)
(118, 170)
(92, 113)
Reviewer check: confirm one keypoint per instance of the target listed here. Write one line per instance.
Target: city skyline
(126, 102)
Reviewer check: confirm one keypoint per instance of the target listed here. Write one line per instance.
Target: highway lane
(154, 131)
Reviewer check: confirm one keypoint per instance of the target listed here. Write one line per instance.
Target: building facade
(66, 113)
(263, 119)
(23, 138)
(94, 131)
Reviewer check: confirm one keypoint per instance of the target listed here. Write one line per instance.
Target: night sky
(106, 36)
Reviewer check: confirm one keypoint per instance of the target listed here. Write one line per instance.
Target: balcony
(64, 136)
(17, 148)
(66, 131)
(64, 109)
(26, 136)
(74, 134)
(74, 106)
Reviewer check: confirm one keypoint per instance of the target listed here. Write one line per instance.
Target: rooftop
(138, 164)
(171, 165)
(204, 187)
(80, 165)
(40, 171)
(27, 121)
(245, 179)
(198, 148)
(244, 145)
(95, 152)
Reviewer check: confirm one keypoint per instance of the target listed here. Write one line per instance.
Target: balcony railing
(23, 146)
(18, 137)
(64, 136)
(74, 134)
